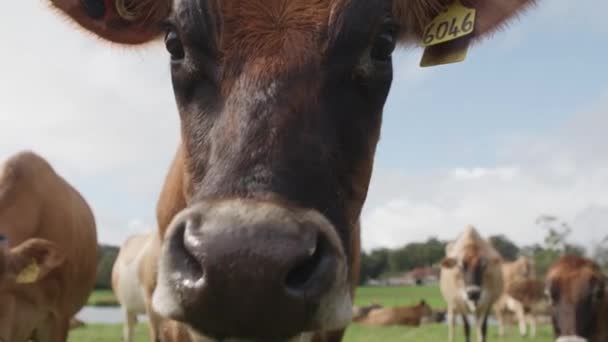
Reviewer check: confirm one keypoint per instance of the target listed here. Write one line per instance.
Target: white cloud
(564, 173)
(103, 115)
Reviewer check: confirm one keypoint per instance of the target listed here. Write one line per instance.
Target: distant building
(421, 276)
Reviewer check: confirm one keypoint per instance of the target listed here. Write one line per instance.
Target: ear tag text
(446, 38)
(455, 22)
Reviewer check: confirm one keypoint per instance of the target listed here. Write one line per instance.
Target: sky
(515, 131)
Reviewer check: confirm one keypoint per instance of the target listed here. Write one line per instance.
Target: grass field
(102, 298)
(356, 333)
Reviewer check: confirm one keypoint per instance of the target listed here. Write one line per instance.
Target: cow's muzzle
(255, 270)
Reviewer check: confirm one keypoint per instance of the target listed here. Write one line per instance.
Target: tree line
(384, 262)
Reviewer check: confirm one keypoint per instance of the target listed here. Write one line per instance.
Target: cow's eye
(385, 42)
(174, 45)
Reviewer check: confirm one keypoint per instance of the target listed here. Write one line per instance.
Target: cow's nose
(473, 294)
(253, 271)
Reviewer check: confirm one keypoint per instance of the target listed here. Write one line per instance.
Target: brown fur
(263, 102)
(35, 202)
(579, 302)
(529, 292)
(517, 275)
(401, 315)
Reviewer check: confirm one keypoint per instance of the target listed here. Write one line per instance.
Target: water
(104, 315)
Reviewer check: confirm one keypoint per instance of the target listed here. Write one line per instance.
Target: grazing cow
(400, 315)
(280, 104)
(48, 264)
(132, 272)
(513, 271)
(470, 281)
(576, 289)
(524, 295)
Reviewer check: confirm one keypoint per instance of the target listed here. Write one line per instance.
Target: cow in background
(132, 273)
(576, 288)
(470, 281)
(48, 262)
(515, 271)
(399, 315)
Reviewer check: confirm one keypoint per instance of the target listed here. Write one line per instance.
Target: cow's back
(37, 202)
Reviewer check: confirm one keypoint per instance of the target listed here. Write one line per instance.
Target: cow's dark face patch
(281, 99)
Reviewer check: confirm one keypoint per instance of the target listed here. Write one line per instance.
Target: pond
(104, 315)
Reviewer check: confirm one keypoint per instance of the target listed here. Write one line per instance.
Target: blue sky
(512, 132)
(524, 80)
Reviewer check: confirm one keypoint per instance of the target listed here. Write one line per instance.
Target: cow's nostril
(300, 274)
(187, 266)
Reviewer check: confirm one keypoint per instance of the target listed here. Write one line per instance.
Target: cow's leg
(467, 328)
(500, 318)
(481, 323)
(532, 321)
(518, 308)
(450, 318)
(129, 326)
(154, 326)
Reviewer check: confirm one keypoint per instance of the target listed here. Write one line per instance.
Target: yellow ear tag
(451, 52)
(446, 38)
(454, 22)
(29, 274)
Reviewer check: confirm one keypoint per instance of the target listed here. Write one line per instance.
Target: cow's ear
(33, 260)
(118, 21)
(448, 262)
(414, 15)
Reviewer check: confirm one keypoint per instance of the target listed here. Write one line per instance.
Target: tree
(373, 264)
(507, 249)
(555, 243)
(105, 261)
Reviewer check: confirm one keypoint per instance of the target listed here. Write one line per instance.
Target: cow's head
(576, 289)
(471, 268)
(21, 267)
(280, 104)
(29, 262)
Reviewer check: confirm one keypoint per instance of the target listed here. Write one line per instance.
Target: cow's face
(576, 290)
(280, 104)
(21, 268)
(471, 272)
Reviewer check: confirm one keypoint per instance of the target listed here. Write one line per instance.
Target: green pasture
(388, 296)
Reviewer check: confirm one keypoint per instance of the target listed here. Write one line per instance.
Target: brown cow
(576, 288)
(470, 281)
(49, 265)
(132, 273)
(280, 103)
(400, 315)
(513, 271)
(360, 312)
(525, 295)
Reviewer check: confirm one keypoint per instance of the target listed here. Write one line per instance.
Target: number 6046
(448, 30)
